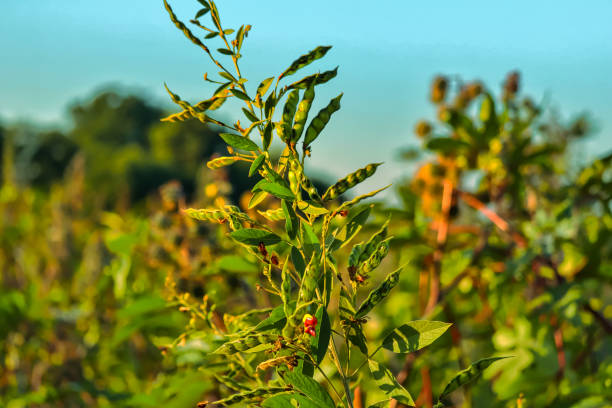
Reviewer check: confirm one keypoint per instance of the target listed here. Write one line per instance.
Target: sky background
(55, 52)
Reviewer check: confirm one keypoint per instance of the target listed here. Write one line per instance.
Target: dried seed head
(438, 89)
(422, 128)
(511, 85)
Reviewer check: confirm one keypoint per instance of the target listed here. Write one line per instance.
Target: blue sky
(53, 52)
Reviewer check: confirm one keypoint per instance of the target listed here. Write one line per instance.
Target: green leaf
(311, 209)
(227, 76)
(291, 221)
(289, 401)
(414, 336)
(253, 236)
(256, 164)
(275, 322)
(224, 51)
(388, 384)
(257, 198)
(240, 95)
(201, 12)
(310, 242)
(239, 142)
(276, 189)
(311, 388)
(211, 35)
(469, 374)
(221, 88)
(250, 116)
(267, 136)
(349, 230)
(319, 343)
(305, 59)
(264, 86)
(446, 144)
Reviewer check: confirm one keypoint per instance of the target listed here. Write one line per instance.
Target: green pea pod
(205, 214)
(375, 258)
(288, 307)
(179, 24)
(350, 181)
(321, 78)
(318, 122)
(377, 295)
(310, 188)
(469, 374)
(255, 394)
(288, 113)
(370, 246)
(304, 60)
(247, 342)
(309, 280)
(302, 112)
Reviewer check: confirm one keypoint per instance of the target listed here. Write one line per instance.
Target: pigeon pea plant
(298, 245)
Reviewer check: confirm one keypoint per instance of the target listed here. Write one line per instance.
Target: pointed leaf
(388, 384)
(276, 189)
(414, 336)
(239, 142)
(311, 388)
(256, 164)
(253, 236)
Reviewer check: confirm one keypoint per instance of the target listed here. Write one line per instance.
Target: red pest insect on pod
(274, 260)
(310, 331)
(262, 249)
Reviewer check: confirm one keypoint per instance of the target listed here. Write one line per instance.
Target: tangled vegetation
(487, 286)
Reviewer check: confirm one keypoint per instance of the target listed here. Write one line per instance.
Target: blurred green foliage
(108, 301)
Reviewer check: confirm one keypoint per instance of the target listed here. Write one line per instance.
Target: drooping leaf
(239, 142)
(305, 59)
(253, 236)
(388, 384)
(414, 335)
